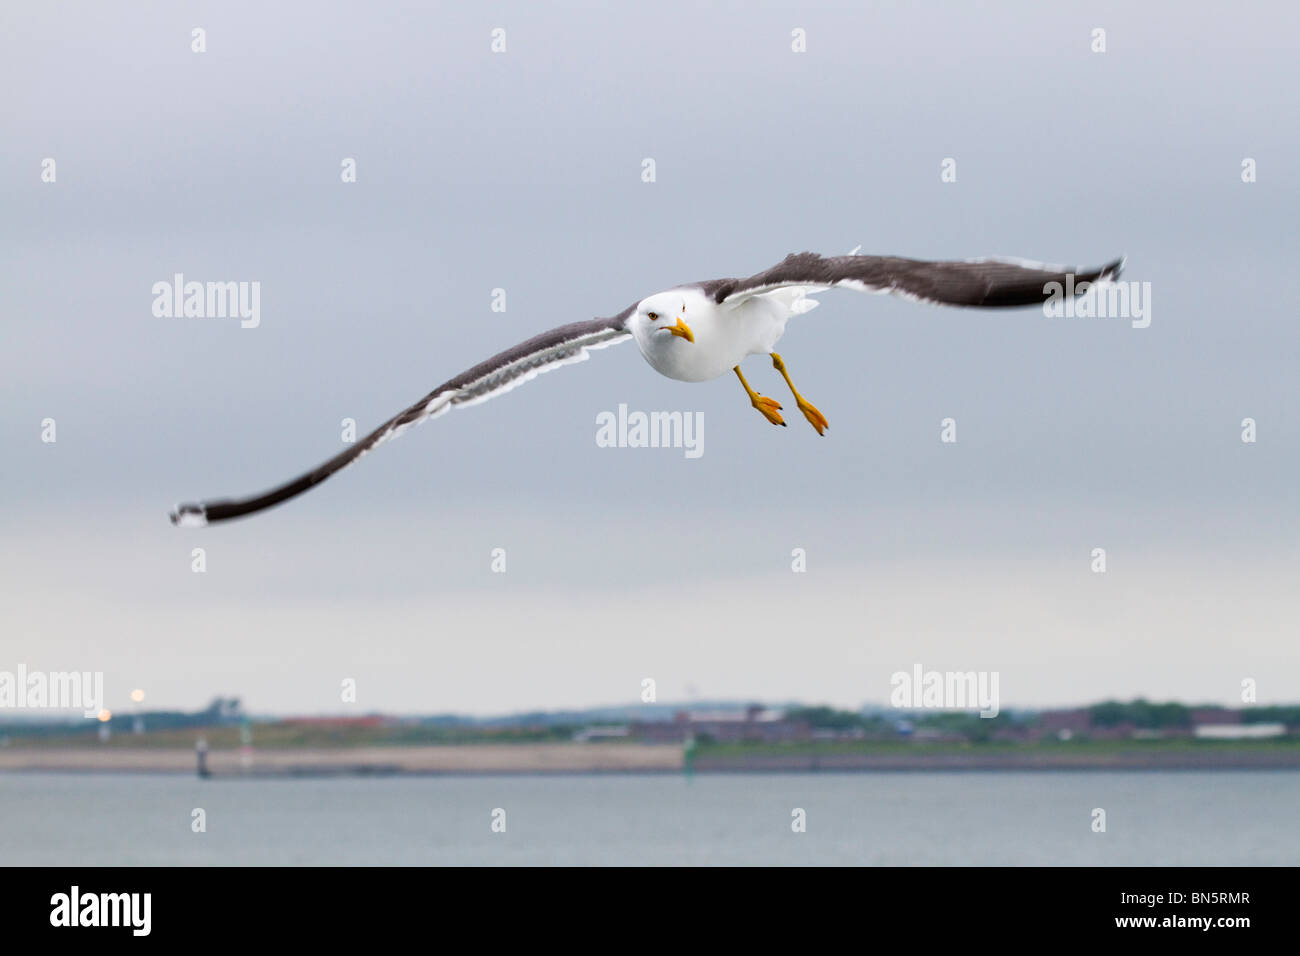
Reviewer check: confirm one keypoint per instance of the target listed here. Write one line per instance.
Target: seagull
(697, 332)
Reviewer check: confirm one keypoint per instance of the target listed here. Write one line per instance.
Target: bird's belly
(696, 361)
(722, 340)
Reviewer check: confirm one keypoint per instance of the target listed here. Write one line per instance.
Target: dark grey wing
(984, 283)
(497, 375)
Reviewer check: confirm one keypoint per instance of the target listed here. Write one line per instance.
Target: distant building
(846, 733)
(937, 735)
(1120, 731)
(1210, 722)
(1239, 731)
(1065, 723)
(1214, 715)
(1014, 734)
(588, 734)
(753, 724)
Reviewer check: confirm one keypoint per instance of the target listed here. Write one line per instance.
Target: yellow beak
(682, 329)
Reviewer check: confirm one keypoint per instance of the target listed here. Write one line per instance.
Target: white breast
(724, 335)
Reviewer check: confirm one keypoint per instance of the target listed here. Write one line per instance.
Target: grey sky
(522, 171)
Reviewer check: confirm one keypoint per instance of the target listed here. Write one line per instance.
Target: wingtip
(189, 516)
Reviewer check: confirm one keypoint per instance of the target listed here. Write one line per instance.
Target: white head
(657, 319)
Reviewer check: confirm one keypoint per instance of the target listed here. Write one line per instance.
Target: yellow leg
(770, 407)
(810, 412)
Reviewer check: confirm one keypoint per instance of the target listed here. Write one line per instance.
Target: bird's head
(662, 315)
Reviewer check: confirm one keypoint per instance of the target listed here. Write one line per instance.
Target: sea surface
(1000, 818)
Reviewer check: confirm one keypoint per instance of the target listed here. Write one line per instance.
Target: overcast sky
(522, 171)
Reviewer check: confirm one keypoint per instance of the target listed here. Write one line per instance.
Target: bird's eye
(652, 316)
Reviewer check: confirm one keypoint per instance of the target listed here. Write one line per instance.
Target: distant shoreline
(601, 758)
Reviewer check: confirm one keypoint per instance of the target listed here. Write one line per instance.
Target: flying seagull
(697, 332)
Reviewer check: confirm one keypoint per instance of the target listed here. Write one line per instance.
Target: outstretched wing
(499, 374)
(983, 283)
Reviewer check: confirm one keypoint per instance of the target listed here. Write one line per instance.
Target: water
(906, 818)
